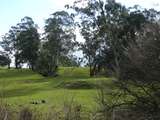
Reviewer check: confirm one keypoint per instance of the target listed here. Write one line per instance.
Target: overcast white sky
(12, 11)
(144, 3)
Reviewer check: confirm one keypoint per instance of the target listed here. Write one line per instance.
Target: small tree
(4, 60)
(46, 64)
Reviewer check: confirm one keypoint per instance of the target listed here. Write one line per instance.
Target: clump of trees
(125, 42)
(23, 43)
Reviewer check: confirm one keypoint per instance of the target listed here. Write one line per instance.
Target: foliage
(46, 64)
(142, 72)
(89, 30)
(125, 41)
(28, 41)
(133, 46)
(4, 60)
(22, 42)
(59, 35)
(69, 61)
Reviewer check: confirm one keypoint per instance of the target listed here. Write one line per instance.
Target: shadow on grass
(15, 73)
(77, 85)
(35, 80)
(25, 91)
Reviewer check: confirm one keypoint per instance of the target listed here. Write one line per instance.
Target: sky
(12, 11)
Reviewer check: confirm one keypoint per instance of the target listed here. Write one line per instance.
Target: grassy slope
(20, 87)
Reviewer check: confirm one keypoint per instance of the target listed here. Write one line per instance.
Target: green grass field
(23, 87)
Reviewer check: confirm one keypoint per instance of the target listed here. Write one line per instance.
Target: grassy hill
(26, 88)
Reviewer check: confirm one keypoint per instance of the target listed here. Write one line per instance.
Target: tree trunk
(90, 70)
(9, 66)
(90, 67)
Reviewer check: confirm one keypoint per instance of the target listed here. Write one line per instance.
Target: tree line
(41, 53)
(108, 28)
(125, 44)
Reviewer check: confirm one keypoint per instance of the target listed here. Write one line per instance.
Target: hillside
(26, 88)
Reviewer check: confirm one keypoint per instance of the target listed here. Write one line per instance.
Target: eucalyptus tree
(129, 47)
(22, 42)
(107, 27)
(9, 45)
(88, 24)
(28, 41)
(59, 41)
